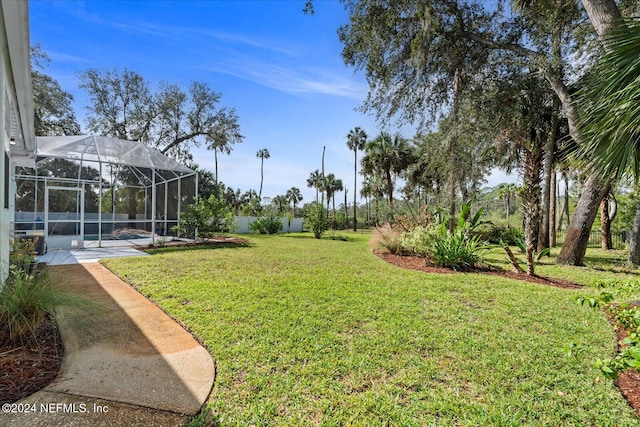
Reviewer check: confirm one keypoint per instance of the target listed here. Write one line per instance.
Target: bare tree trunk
(368, 201)
(552, 211)
(513, 259)
(452, 200)
(346, 207)
(355, 192)
(577, 236)
(389, 190)
(605, 225)
(530, 195)
(261, 178)
(634, 250)
(547, 190)
(215, 157)
(565, 207)
(604, 15)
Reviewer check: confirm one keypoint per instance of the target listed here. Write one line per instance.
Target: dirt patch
(26, 367)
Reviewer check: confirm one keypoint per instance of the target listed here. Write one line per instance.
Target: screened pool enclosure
(94, 188)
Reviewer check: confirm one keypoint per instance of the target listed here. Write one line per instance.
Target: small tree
(317, 220)
(205, 219)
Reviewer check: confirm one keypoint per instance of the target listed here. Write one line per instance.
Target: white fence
(293, 226)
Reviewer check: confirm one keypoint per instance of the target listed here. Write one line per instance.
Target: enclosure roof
(106, 150)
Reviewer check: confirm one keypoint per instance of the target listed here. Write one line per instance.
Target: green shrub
(317, 220)
(459, 250)
(22, 253)
(419, 241)
(206, 218)
(266, 225)
(496, 234)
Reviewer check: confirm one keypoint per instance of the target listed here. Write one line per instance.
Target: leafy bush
(458, 250)
(206, 218)
(339, 221)
(317, 220)
(22, 253)
(497, 234)
(266, 225)
(419, 241)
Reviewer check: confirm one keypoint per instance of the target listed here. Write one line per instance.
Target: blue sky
(279, 68)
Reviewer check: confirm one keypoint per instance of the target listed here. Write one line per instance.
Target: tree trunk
(334, 206)
(389, 190)
(377, 210)
(452, 202)
(215, 157)
(552, 211)
(603, 14)
(577, 235)
(513, 259)
(530, 196)
(355, 183)
(368, 202)
(543, 239)
(346, 209)
(605, 225)
(508, 203)
(261, 178)
(565, 207)
(634, 250)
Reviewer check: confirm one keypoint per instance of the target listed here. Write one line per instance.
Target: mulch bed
(628, 381)
(26, 367)
(187, 244)
(417, 263)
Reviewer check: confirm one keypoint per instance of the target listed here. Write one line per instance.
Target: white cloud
(286, 79)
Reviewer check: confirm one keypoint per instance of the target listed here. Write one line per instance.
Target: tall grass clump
(459, 250)
(27, 297)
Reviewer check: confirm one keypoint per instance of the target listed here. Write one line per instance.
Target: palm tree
(356, 140)
(224, 135)
(386, 156)
(262, 154)
(331, 185)
(611, 119)
(280, 202)
(294, 196)
(372, 187)
(315, 181)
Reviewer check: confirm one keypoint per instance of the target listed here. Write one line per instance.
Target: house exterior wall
(16, 111)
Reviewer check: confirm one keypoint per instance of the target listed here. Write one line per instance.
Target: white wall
(243, 222)
(16, 109)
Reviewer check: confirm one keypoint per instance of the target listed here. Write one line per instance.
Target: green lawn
(322, 332)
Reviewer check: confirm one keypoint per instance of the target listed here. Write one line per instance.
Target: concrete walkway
(125, 364)
(83, 256)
